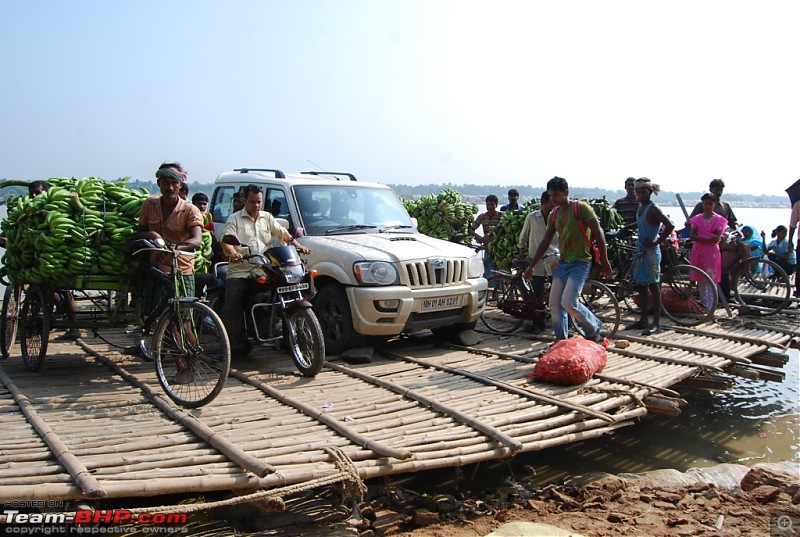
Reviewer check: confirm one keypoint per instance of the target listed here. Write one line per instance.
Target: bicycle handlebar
(160, 246)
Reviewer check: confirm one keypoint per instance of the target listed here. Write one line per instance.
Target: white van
(376, 274)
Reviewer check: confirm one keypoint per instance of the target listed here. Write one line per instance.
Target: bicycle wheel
(35, 327)
(689, 297)
(9, 319)
(192, 354)
(501, 288)
(599, 299)
(762, 285)
(306, 342)
(627, 292)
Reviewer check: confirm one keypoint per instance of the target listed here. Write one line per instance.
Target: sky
(405, 91)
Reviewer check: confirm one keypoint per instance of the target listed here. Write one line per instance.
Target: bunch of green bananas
(76, 227)
(608, 216)
(203, 260)
(443, 216)
(610, 220)
(504, 238)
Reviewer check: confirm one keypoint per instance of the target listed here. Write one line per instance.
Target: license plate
(290, 288)
(441, 303)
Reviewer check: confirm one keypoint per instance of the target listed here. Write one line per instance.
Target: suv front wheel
(333, 312)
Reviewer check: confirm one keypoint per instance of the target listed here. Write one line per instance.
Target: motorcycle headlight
(475, 266)
(293, 273)
(375, 273)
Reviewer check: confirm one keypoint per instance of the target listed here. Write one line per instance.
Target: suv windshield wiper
(344, 229)
(397, 226)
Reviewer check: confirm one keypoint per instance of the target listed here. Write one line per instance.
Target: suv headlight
(475, 266)
(375, 273)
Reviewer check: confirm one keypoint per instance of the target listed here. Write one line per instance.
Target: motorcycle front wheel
(306, 342)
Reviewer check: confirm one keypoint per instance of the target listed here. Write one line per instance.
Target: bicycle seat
(520, 263)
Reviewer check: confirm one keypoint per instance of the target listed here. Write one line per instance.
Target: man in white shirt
(254, 228)
(533, 230)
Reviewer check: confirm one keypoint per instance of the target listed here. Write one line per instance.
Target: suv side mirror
(298, 232)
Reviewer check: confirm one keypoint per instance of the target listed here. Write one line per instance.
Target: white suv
(376, 274)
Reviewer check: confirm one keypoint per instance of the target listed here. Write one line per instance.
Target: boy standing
(647, 259)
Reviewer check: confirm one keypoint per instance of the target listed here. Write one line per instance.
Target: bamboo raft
(93, 422)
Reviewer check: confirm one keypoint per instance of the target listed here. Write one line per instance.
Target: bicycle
(13, 297)
(513, 302)
(186, 338)
(758, 284)
(688, 294)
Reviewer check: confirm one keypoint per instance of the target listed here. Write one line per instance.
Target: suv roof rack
(278, 174)
(350, 175)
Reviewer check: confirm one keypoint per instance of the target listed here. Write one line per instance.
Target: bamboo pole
(79, 473)
(678, 361)
(531, 394)
(770, 359)
(664, 405)
(768, 327)
(324, 418)
(729, 336)
(529, 360)
(453, 413)
(241, 458)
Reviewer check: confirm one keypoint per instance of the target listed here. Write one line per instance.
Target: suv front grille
(436, 272)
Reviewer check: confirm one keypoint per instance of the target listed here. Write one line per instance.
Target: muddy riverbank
(724, 500)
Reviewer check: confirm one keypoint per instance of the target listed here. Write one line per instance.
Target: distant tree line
(477, 193)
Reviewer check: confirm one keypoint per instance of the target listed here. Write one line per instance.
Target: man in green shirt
(575, 232)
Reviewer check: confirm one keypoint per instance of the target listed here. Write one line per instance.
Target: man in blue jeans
(576, 259)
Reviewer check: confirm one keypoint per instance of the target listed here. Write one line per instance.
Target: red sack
(571, 361)
(673, 302)
(676, 303)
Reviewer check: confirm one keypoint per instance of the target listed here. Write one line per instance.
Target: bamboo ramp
(93, 422)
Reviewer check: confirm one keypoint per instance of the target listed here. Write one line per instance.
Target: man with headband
(173, 219)
(646, 268)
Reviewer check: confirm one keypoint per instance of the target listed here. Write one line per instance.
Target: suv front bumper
(417, 309)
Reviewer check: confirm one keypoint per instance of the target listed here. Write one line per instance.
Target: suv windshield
(329, 209)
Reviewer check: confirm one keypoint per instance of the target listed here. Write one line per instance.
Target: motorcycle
(275, 310)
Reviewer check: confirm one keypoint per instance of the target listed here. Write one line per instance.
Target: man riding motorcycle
(254, 228)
